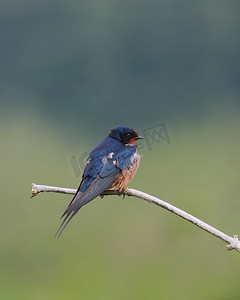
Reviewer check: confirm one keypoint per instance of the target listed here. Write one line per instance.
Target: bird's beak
(139, 137)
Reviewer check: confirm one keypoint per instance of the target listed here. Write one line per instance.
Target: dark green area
(72, 70)
(108, 62)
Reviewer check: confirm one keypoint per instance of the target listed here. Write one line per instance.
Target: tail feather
(64, 214)
(67, 219)
(99, 185)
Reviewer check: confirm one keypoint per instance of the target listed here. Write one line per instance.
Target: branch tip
(235, 244)
(34, 191)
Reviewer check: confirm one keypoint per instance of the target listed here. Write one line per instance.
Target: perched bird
(112, 164)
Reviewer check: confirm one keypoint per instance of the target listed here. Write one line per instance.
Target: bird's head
(125, 135)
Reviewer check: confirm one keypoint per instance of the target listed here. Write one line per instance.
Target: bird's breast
(128, 173)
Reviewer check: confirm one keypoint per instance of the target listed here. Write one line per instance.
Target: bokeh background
(71, 71)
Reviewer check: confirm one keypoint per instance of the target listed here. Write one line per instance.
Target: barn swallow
(112, 164)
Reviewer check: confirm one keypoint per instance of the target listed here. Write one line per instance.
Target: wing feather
(99, 185)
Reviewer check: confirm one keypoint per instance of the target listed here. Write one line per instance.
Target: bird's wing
(124, 158)
(107, 176)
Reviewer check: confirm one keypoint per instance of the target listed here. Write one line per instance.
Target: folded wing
(108, 175)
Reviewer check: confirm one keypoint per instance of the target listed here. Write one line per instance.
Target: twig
(233, 242)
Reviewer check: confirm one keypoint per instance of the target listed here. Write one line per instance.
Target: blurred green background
(71, 71)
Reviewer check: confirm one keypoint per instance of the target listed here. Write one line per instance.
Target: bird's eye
(129, 135)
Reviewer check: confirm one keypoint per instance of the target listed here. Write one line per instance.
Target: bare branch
(233, 242)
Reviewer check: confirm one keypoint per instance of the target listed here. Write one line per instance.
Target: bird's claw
(122, 192)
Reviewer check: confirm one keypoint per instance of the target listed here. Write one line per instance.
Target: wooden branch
(233, 242)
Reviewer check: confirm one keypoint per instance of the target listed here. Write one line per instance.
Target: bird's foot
(123, 192)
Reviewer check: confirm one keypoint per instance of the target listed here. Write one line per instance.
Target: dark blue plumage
(112, 163)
